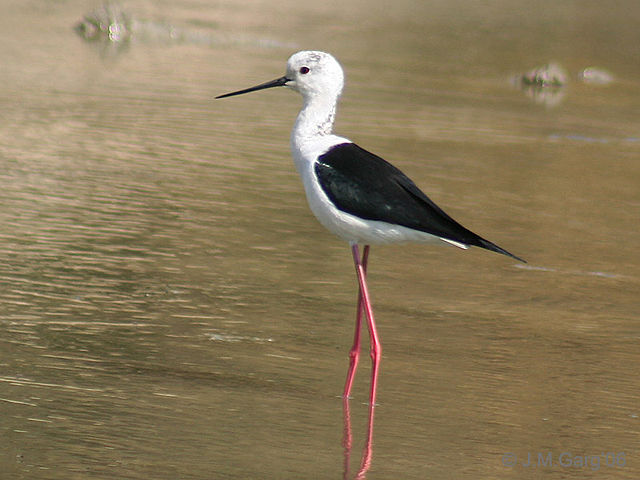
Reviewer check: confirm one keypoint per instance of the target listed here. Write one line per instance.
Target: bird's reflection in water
(347, 443)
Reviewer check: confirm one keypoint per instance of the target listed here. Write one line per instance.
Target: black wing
(365, 185)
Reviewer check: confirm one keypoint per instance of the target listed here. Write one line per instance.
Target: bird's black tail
(486, 244)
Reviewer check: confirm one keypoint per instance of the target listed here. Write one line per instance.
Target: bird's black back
(367, 186)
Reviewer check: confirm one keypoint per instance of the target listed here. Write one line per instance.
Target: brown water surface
(170, 309)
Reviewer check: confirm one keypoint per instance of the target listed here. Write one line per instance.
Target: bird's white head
(319, 79)
(314, 74)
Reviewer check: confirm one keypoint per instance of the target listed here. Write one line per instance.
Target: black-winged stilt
(355, 194)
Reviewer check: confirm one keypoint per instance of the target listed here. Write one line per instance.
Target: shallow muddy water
(169, 307)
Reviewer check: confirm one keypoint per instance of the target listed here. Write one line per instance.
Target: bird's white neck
(314, 120)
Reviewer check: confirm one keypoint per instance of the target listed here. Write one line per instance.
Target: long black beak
(278, 82)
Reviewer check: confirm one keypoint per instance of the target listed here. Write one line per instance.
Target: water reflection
(366, 456)
(547, 96)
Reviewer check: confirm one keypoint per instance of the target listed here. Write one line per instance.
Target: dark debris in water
(546, 84)
(111, 26)
(108, 22)
(549, 75)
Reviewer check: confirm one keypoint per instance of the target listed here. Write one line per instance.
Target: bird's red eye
(304, 70)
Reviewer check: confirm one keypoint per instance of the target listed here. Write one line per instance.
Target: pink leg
(376, 348)
(354, 353)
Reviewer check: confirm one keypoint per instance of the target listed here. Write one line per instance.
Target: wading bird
(355, 194)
